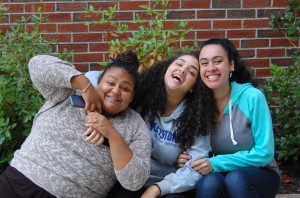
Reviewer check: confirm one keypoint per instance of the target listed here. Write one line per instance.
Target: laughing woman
(57, 159)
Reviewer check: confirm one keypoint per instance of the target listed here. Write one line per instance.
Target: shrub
(282, 90)
(152, 41)
(19, 100)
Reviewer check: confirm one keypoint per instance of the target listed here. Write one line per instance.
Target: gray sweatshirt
(55, 155)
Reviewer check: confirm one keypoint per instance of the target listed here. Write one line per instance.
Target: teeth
(177, 77)
(112, 98)
(212, 77)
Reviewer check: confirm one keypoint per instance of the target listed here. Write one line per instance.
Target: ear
(231, 66)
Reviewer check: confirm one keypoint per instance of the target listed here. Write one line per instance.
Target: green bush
(282, 90)
(19, 100)
(152, 41)
(283, 94)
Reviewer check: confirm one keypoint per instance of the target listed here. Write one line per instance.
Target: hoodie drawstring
(231, 128)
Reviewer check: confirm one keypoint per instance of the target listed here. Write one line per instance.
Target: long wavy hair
(200, 113)
(241, 73)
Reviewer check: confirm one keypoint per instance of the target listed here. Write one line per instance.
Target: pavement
(287, 196)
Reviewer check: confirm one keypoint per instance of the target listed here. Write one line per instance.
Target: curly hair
(200, 112)
(241, 73)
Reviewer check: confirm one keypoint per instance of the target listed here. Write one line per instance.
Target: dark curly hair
(241, 73)
(200, 112)
(128, 61)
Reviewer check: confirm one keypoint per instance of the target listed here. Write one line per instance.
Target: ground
(290, 182)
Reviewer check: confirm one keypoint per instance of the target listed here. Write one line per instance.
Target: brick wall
(245, 22)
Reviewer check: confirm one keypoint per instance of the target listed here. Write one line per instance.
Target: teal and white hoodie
(163, 164)
(245, 137)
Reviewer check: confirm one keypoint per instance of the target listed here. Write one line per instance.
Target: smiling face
(215, 66)
(182, 74)
(116, 90)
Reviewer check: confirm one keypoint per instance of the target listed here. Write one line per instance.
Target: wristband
(84, 90)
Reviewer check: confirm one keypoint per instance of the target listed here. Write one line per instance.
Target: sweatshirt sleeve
(52, 76)
(186, 178)
(137, 171)
(256, 109)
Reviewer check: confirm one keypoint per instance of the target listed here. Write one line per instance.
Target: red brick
(187, 4)
(257, 62)
(15, 8)
(58, 37)
(247, 53)
(210, 14)
(73, 47)
(181, 15)
(280, 3)
(206, 34)
(47, 27)
(173, 4)
(255, 43)
(281, 61)
(227, 24)
(226, 4)
(46, 7)
(98, 47)
(88, 57)
(102, 5)
(263, 72)
(82, 67)
(87, 37)
(199, 24)
(241, 33)
(132, 5)
(70, 6)
(282, 43)
(256, 23)
(78, 27)
(86, 17)
(248, 13)
(256, 3)
(4, 28)
(59, 17)
(270, 52)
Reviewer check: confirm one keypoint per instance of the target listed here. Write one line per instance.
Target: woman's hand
(182, 159)
(151, 192)
(100, 123)
(93, 136)
(202, 166)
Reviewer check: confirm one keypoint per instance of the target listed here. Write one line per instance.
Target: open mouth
(177, 78)
(213, 77)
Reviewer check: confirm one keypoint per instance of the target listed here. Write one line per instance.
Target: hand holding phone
(77, 101)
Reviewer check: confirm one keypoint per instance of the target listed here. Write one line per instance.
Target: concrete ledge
(287, 196)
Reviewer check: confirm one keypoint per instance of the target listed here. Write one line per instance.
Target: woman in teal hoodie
(242, 162)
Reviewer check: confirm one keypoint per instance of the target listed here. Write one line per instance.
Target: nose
(116, 90)
(211, 66)
(183, 70)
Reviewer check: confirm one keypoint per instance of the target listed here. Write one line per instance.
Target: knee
(235, 178)
(211, 181)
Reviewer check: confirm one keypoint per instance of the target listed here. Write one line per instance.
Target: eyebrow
(193, 66)
(212, 58)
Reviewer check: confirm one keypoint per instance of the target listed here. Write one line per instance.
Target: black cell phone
(77, 101)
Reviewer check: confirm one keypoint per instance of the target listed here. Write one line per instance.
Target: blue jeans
(242, 183)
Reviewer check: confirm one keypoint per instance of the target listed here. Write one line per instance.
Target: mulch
(290, 181)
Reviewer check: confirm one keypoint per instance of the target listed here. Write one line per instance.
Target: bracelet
(158, 188)
(84, 90)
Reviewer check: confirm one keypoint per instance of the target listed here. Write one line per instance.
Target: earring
(230, 74)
